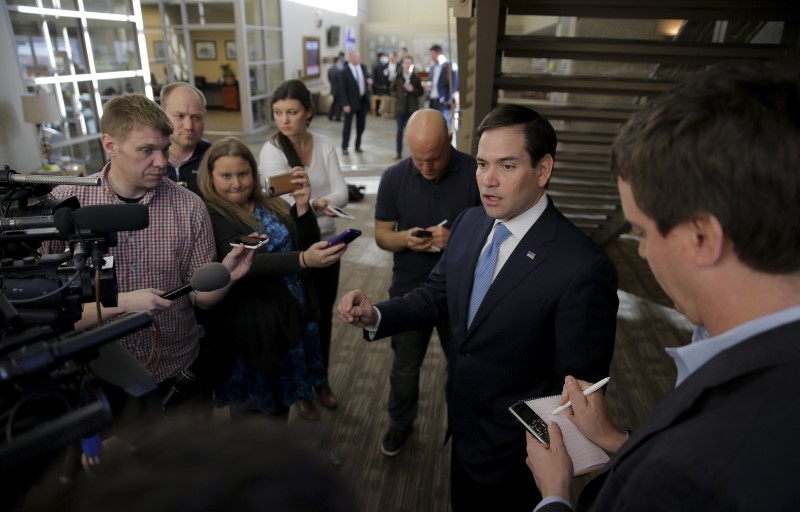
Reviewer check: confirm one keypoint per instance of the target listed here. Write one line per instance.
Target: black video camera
(50, 289)
(48, 391)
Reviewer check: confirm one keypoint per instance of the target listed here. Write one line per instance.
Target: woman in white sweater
(296, 146)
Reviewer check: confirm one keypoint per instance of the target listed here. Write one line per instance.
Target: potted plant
(228, 75)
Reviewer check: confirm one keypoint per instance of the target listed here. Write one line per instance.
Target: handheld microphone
(181, 381)
(205, 279)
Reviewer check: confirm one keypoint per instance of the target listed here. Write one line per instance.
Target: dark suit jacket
(349, 89)
(725, 439)
(443, 84)
(551, 311)
(334, 78)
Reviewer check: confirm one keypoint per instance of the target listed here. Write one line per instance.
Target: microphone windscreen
(210, 277)
(106, 218)
(117, 366)
(62, 220)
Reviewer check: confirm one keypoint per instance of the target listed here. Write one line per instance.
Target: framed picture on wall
(230, 50)
(159, 51)
(311, 57)
(205, 50)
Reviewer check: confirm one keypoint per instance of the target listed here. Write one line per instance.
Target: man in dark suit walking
(355, 84)
(444, 83)
(549, 309)
(334, 79)
(708, 178)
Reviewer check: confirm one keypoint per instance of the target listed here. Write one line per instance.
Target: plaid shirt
(164, 256)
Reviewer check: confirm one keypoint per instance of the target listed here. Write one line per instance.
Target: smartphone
(422, 233)
(281, 184)
(251, 242)
(345, 237)
(531, 421)
(339, 212)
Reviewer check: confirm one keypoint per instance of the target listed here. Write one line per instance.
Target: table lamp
(39, 109)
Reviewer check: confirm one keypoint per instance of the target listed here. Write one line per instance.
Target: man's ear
(109, 145)
(707, 239)
(544, 169)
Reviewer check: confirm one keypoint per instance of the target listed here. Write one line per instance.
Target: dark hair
(231, 146)
(292, 90)
(726, 143)
(249, 465)
(436, 48)
(540, 137)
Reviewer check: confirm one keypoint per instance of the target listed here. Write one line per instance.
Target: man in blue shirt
(708, 179)
(424, 192)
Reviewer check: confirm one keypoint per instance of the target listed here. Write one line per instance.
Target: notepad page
(586, 456)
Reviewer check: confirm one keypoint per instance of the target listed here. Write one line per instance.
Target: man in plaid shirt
(149, 262)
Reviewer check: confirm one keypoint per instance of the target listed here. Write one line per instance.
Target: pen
(586, 392)
(442, 223)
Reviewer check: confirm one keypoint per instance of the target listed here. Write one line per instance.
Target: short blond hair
(122, 114)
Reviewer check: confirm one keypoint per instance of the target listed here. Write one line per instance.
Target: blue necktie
(483, 277)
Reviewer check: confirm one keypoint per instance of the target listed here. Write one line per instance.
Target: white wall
(408, 12)
(415, 24)
(19, 142)
(299, 21)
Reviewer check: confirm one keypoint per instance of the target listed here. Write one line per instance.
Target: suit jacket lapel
(527, 256)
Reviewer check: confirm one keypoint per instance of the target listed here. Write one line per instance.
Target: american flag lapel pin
(531, 255)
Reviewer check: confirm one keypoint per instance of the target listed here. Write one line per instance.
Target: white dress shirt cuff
(373, 329)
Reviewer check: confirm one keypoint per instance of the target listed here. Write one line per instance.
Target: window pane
(26, 3)
(114, 46)
(114, 86)
(274, 47)
(65, 35)
(276, 78)
(81, 109)
(262, 114)
(32, 49)
(252, 12)
(273, 13)
(209, 13)
(173, 13)
(258, 79)
(255, 44)
(109, 6)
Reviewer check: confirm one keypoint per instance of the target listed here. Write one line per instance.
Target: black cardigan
(259, 319)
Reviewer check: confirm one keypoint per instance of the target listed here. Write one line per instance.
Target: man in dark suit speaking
(549, 309)
(708, 178)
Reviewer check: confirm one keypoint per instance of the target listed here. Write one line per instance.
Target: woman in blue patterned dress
(264, 336)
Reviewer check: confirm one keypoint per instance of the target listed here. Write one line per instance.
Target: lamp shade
(40, 108)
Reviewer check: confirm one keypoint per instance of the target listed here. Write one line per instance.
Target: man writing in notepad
(725, 151)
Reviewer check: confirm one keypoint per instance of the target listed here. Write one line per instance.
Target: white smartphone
(339, 212)
(251, 242)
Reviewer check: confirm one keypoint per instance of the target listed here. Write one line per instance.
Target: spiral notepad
(586, 456)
